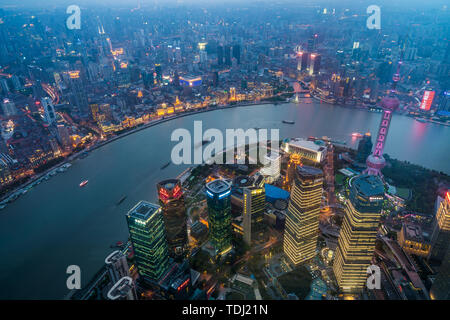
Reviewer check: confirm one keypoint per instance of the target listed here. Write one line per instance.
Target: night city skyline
(239, 150)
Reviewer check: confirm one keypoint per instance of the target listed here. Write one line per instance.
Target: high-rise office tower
(310, 45)
(253, 213)
(49, 110)
(171, 199)
(314, 63)
(271, 169)
(220, 55)
(440, 237)
(302, 58)
(219, 211)
(294, 161)
(364, 148)
(158, 71)
(8, 108)
(117, 266)
(78, 91)
(147, 234)
(227, 55)
(358, 233)
(440, 289)
(63, 136)
(302, 218)
(237, 53)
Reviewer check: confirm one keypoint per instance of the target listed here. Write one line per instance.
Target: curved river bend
(57, 223)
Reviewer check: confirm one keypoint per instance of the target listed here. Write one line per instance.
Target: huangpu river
(57, 223)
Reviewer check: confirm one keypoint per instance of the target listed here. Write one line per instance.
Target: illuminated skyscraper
(218, 194)
(171, 199)
(220, 55)
(271, 169)
(8, 108)
(364, 148)
(49, 110)
(440, 290)
(254, 202)
(147, 233)
(158, 71)
(294, 161)
(227, 55)
(302, 218)
(302, 58)
(237, 53)
(358, 233)
(441, 230)
(314, 63)
(78, 91)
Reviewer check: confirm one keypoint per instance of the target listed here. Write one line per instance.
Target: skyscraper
(78, 91)
(227, 55)
(158, 71)
(49, 110)
(271, 169)
(314, 63)
(237, 53)
(219, 55)
(8, 108)
(253, 213)
(440, 237)
(302, 58)
(171, 199)
(364, 148)
(219, 211)
(440, 290)
(302, 218)
(147, 233)
(358, 233)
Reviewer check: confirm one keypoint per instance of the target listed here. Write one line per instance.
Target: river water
(57, 223)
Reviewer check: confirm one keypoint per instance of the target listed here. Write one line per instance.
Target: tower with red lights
(375, 162)
(171, 199)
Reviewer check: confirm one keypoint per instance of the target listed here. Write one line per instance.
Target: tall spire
(375, 162)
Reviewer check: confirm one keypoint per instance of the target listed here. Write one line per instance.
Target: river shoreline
(150, 124)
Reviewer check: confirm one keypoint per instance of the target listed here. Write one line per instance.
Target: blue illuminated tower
(218, 194)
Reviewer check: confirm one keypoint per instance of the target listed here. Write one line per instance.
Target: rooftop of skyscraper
(307, 171)
(368, 185)
(218, 186)
(168, 184)
(143, 210)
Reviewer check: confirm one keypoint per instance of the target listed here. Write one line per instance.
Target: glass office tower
(302, 218)
(218, 194)
(441, 230)
(254, 203)
(147, 233)
(171, 199)
(358, 233)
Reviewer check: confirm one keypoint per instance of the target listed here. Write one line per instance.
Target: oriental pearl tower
(375, 162)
